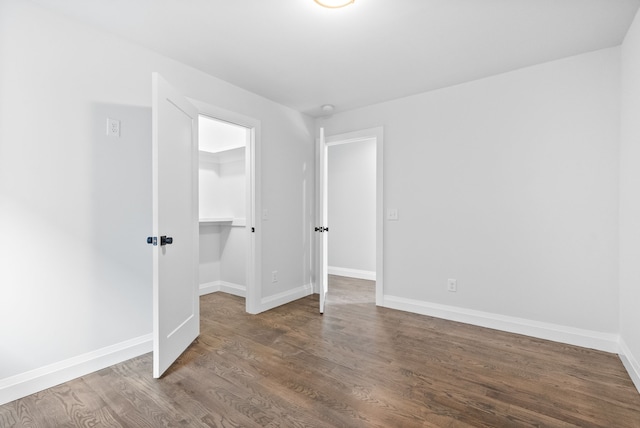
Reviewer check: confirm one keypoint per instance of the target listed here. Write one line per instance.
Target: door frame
(377, 135)
(253, 195)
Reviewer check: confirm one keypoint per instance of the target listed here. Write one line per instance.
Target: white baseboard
(23, 384)
(226, 287)
(608, 342)
(631, 363)
(288, 296)
(209, 287)
(352, 273)
(235, 289)
(266, 303)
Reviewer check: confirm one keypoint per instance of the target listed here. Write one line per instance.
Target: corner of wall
(631, 363)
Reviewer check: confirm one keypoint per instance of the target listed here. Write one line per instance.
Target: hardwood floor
(355, 366)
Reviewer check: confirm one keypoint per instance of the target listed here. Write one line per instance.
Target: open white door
(322, 228)
(176, 306)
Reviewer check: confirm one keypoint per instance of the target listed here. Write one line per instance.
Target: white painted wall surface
(222, 189)
(216, 135)
(510, 185)
(352, 206)
(233, 252)
(75, 206)
(209, 268)
(231, 188)
(208, 188)
(630, 202)
(222, 195)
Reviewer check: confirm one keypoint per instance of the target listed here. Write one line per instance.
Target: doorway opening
(225, 206)
(351, 199)
(351, 205)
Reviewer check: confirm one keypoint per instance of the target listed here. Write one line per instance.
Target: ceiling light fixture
(327, 108)
(334, 4)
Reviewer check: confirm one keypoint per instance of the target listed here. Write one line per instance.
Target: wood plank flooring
(355, 366)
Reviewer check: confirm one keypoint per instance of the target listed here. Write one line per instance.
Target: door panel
(176, 308)
(323, 232)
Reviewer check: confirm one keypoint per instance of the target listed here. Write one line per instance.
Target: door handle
(164, 240)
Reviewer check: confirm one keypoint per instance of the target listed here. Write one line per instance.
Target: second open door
(322, 228)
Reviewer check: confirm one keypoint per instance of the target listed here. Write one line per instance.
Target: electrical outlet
(113, 127)
(452, 285)
(274, 276)
(392, 214)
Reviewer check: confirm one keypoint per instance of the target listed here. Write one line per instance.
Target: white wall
(222, 195)
(233, 239)
(352, 208)
(233, 256)
(75, 207)
(232, 187)
(510, 185)
(630, 203)
(209, 268)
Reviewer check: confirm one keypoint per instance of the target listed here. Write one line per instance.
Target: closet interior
(223, 200)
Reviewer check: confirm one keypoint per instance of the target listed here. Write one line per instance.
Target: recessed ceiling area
(302, 55)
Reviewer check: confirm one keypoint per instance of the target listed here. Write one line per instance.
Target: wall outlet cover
(113, 127)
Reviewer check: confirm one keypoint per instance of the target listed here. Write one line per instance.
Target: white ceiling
(301, 55)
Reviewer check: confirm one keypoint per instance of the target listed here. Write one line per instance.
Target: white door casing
(253, 195)
(176, 306)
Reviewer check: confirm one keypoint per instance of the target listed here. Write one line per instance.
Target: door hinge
(322, 229)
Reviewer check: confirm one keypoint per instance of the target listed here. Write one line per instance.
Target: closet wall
(222, 190)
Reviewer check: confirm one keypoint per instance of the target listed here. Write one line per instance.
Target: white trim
(235, 289)
(209, 287)
(352, 273)
(630, 363)
(23, 384)
(607, 342)
(266, 303)
(285, 297)
(223, 286)
(253, 289)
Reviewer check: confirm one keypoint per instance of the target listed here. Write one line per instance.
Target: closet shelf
(225, 221)
(216, 220)
(231, 154)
